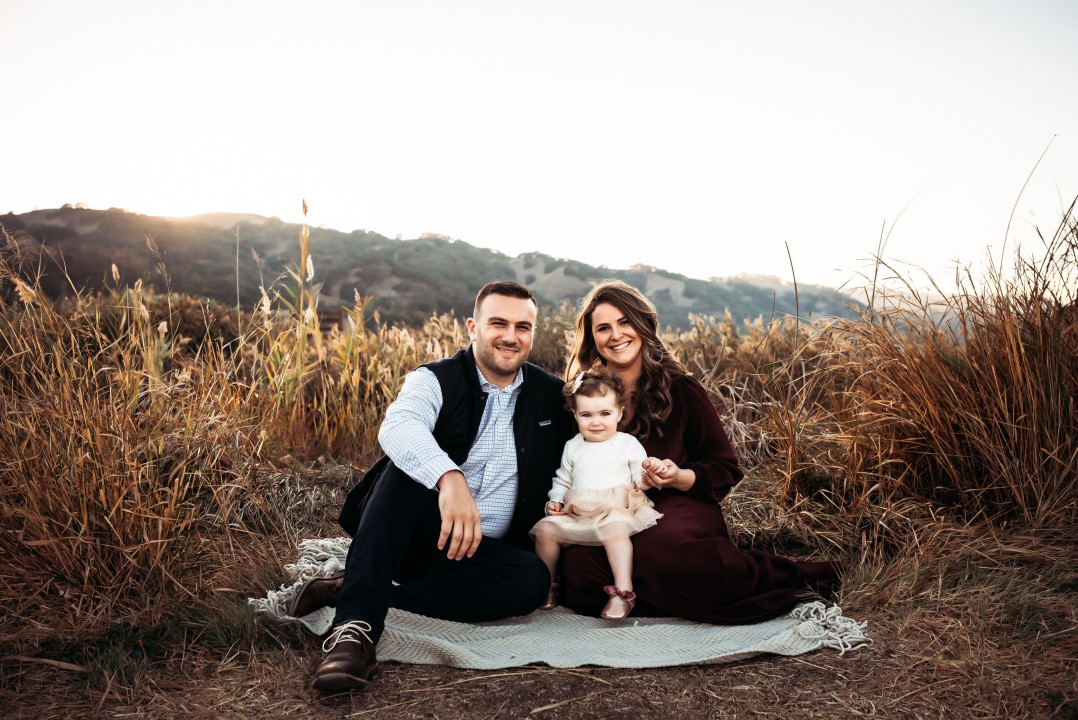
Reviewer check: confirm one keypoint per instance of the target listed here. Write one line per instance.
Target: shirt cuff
(557, 495)
(432, 472)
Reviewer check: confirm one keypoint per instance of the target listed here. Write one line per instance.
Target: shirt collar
(489, 387)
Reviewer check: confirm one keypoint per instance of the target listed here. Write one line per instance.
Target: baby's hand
(658, 473)
(554, 508)
(653, 466)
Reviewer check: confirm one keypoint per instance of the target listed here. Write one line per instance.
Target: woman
(686, 566)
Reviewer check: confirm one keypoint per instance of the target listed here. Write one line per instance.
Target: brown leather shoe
(317, 593)
(350, 662)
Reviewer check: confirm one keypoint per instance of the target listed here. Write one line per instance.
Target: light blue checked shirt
(491, 467)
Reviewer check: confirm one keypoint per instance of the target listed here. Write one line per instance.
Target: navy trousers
(397, 541)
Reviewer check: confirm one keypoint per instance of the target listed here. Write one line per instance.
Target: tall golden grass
(966, 400)
(128, 450)
(114, 452)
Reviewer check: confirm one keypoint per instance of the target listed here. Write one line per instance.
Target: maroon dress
(686, 566)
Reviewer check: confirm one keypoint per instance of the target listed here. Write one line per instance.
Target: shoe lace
(350, 631)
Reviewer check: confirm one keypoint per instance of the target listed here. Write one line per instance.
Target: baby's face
(597, 417)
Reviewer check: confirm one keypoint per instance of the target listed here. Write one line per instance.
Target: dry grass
(153, 476)
(965, 625)
(114, 459)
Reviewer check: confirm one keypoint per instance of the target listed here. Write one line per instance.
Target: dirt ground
(978, 625)
(908, 672)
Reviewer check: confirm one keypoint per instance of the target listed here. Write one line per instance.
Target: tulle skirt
(593, 516)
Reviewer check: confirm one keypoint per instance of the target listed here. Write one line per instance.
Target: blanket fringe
(318, 557)
(830, 627)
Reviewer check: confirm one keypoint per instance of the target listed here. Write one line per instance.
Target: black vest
(541, 425)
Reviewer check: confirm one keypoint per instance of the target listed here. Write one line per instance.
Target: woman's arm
(696, 453)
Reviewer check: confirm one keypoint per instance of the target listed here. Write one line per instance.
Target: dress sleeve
(635, 456)
(707, 448)
(563, 478)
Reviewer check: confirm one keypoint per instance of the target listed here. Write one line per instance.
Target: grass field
(159, 456)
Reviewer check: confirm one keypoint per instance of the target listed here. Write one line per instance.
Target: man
(472, 443)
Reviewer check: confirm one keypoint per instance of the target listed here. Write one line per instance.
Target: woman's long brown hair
(651, 402)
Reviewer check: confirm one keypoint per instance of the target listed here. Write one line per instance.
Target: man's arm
(406, 437)
(406, 432)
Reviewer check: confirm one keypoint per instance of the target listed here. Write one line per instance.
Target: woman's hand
(664, 473)
(554, 508)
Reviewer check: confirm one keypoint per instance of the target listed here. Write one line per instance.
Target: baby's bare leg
(619, 552)
(548, 549)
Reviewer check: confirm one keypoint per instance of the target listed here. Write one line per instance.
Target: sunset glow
(697, 137)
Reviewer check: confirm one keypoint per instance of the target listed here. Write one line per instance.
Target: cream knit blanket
(562, 639)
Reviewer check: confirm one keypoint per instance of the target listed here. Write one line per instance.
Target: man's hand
(461, 526)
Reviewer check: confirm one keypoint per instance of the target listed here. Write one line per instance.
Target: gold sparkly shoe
(619, 605)
(551, 598)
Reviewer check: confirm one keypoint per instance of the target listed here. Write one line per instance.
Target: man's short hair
(507, 288)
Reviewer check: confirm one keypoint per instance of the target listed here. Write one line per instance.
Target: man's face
(502, 336)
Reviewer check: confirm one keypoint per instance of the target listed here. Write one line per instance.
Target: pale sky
(696, 136)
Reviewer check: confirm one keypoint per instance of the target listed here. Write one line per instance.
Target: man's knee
(528, 582)
(399, 503)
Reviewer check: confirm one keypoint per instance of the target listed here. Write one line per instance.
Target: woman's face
(616, 340)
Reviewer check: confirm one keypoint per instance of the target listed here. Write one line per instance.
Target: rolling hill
(209, 255)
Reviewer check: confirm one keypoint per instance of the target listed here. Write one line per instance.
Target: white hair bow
(576, 383)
